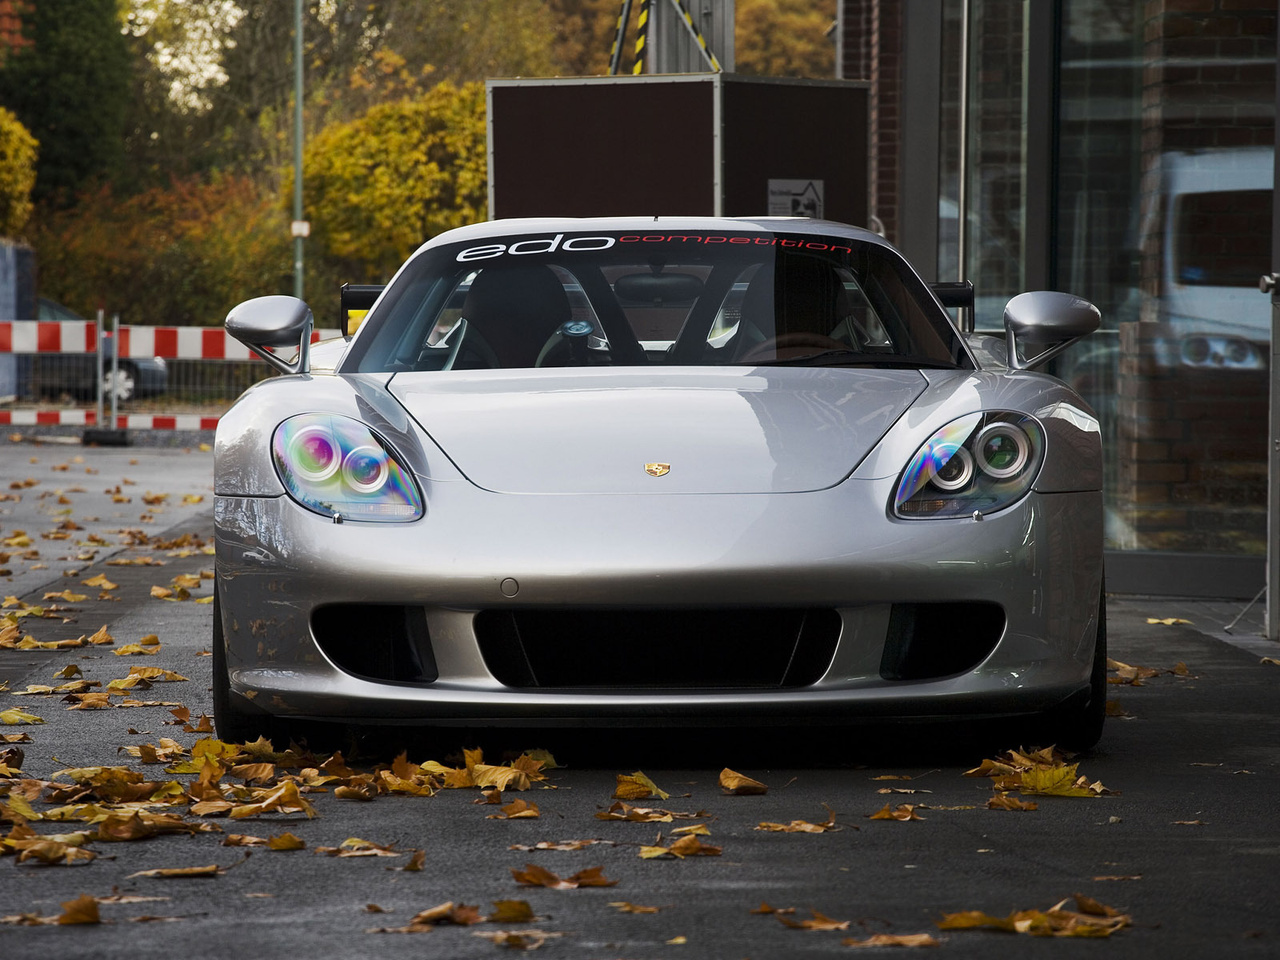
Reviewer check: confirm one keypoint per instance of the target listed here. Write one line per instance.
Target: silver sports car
(658, 471)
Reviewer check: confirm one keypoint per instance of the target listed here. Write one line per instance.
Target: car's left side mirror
(276, 321)
(1041, 324)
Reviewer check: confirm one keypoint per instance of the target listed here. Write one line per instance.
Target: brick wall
(871, 49)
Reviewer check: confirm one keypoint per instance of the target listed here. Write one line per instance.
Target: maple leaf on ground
(687, 846)
(518, 939)
(904, 811)
(83, 909)
(894, 940)
(511, 911)
(817, 921)
(284, 799)
(1003, 801)
(637, 786)
(1089, 919)
(737, 784)
(562, 845)
(49, 850)
(624, 906)
(16, 717)
(802, 826)
(766, 910)
(355, 847)
(535, 876)
(517, 809)
(623, 811)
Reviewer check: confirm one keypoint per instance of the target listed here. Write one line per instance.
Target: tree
(17, 173)
(178, 255)
(379, 186)
(785, 38)
(69, 86)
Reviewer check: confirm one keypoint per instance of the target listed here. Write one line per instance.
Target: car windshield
(563, 299)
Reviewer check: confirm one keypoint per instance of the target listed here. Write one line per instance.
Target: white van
(1215, 242)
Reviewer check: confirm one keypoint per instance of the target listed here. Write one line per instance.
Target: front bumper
(474, 551)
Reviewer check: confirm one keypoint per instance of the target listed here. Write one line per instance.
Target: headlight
(983, 462)
(340, 468)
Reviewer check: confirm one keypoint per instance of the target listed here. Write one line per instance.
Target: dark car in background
(77, 373)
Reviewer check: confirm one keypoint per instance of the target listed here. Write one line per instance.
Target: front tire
(1078, 726)
(123, 382)
(233, 717)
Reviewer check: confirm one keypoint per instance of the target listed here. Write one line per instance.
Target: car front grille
(625, 650)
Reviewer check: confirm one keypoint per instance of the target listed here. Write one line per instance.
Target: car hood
(731, 430)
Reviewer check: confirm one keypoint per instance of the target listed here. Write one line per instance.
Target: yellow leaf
(83, 909)
(66, 595)
(135, 649)
(16, 717)
(637, 786)
(904, 811)
(1058, 781)
(511, 911)
(286, 841)
(1168, 621)
(626, 907)
(171, 873)
(893, 940)
(737, 784)
(517, 809)
(1003, 801)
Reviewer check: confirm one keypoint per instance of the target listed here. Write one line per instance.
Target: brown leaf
(511, 911)
(894, 940)
(535, 876)
(737, 784)
(83, 909)
(802, 826)
(1005, 801)
(517, 809)
(518, 939)
(623, 811)
(904, 811)
(817, 921)
(624, 906)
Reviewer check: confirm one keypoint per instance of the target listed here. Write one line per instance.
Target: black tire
(1079, 725)
(234, 718)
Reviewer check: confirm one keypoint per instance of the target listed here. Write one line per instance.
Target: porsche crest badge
(657, 469)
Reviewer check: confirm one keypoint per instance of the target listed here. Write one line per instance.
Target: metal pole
(962, 194)
(98, 331)
(615, 56)
(115, 369)
(297, 145)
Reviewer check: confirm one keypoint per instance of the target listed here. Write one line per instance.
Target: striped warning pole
(697, 35)
(615, 55)
(642, 34)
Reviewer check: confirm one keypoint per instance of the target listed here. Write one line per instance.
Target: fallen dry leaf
(1090, 919)
(517, 809)
(1005, 801)
(904, 811)
(518, 939)
(802, 826)
(637, 786)
(535, 876)
(624, 906)
(894, 940)
(180, 873)
(817, 921)
(736, 784)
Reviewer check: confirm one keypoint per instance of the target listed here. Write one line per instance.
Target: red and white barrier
(80, 337)
(89, 418)
(172, 343)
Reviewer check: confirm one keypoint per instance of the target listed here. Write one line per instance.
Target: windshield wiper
(855, 358)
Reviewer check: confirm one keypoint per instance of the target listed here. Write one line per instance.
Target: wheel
(234, 718)
(123, 382)
(1078, 725)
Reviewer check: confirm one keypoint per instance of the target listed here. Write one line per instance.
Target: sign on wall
(795, 198)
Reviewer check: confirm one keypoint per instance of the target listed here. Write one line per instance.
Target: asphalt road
(1190, 826)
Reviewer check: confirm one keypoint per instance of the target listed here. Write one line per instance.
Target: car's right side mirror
(1041, 324)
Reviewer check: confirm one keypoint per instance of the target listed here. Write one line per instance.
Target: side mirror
(1046, 319)
(274, 322)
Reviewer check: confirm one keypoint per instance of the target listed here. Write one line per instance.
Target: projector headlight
(982, 462)
(338, 467)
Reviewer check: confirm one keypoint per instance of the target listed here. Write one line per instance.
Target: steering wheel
(791, 345)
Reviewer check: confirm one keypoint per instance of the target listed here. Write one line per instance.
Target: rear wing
(354, 302)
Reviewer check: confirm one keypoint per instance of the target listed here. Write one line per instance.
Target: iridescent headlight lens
(982, 462)
(338, 467)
